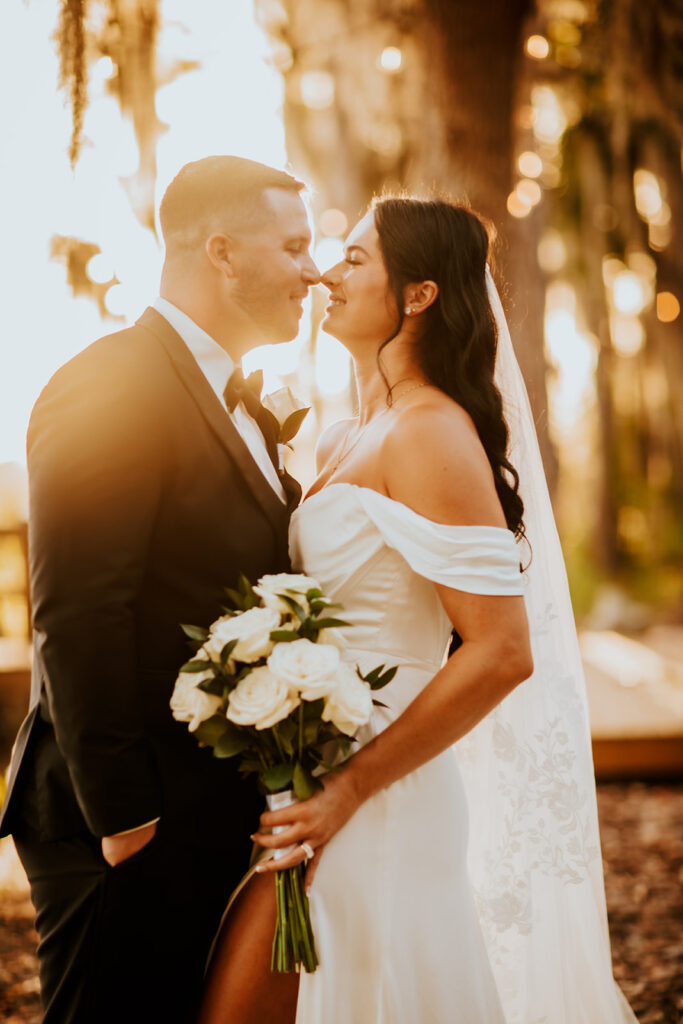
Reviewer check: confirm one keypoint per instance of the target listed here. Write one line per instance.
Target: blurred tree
(415, 94)
(619, 67)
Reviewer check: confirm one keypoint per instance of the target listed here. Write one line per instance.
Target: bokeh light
(537, 47)
(390, 59)
(668, 307)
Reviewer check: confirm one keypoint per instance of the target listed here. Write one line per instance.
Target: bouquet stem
(293, 942)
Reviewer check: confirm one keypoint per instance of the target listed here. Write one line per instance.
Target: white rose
(282, 403)
(268, 587)
(350, 704)
(189, 703)
(251, 629)
(260, 699)
(307, 668)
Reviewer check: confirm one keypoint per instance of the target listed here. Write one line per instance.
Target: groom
(152, 486)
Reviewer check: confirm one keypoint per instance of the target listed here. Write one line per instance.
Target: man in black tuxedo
(152, 487)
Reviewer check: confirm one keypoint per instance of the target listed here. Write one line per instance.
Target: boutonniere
(287, 411)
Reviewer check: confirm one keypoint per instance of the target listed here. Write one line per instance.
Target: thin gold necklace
(347, 450)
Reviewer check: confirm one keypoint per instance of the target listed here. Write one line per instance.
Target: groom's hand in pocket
(118, 848)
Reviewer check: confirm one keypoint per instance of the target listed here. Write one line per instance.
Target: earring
(408, 310)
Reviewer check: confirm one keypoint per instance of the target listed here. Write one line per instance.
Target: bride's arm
(447, 482)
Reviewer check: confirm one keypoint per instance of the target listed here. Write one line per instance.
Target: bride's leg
(240, 988)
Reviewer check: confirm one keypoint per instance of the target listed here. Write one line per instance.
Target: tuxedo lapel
(213, 412)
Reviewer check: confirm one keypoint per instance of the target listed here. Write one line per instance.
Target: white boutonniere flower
(288, 412)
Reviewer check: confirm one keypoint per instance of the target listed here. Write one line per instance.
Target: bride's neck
(373, 389)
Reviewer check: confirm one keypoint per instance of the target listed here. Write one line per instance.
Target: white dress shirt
(217, 366)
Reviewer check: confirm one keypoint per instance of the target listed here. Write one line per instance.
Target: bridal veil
(534, 852)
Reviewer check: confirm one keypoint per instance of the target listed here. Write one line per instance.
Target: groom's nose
(309, 271)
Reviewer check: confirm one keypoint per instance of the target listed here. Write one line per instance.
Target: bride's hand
(312, 821)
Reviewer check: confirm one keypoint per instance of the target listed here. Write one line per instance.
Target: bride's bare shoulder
(330, 440)
(434, 461)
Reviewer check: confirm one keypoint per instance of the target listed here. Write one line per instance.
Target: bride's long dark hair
(433, 240)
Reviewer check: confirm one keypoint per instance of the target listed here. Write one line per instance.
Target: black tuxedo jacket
(144, 504)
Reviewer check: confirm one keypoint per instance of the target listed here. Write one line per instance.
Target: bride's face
(362, 308)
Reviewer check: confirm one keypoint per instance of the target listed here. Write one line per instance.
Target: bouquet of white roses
(267, 683)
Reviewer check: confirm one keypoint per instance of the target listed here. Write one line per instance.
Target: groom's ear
(220, 249)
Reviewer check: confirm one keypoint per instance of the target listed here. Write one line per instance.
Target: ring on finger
(309, 852)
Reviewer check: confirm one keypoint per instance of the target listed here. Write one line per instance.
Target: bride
(419, 524)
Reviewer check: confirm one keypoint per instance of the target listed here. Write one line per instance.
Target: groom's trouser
(128, 943)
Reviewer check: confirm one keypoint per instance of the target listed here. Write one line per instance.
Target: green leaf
(330, 623)
(378, 703)
(210, 731)
(235, 597)
(313, 709)
(305, 784)
(386, 678)
(284, 636)
(287, 731)
(195, 665)
(311, 733)
(233, 741)
(215, 685)
(250, 599)
(314, 593)
(227, 651)
(277, 777)
(373, 676)
(292, 424)
(293, 606)
(195, 632)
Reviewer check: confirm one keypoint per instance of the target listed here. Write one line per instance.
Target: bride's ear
(419, 297)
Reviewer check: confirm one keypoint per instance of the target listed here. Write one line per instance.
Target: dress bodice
(380, 560)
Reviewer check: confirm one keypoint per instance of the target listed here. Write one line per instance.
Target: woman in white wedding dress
(413, 524)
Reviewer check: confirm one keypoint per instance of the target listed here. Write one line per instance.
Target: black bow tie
(248, 391)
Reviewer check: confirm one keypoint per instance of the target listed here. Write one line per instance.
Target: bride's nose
(332, 277)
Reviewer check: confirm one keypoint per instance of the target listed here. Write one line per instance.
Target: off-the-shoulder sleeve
(476, 559)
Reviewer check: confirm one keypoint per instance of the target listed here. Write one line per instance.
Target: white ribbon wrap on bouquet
(276, 801)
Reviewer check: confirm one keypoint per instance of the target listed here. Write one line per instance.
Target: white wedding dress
(397, 931)
(403, 935)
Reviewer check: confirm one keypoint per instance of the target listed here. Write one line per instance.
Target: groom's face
(273, 267)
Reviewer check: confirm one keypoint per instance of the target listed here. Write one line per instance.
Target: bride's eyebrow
(355, 248)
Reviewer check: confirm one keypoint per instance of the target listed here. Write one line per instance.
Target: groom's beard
(268, 305)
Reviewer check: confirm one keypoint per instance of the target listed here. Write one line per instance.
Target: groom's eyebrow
(299, 239)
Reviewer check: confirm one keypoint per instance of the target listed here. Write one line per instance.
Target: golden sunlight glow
(668, 307)
(390, 59)
(572, 352)
(48, 324)
(537, 47)
(530, 164)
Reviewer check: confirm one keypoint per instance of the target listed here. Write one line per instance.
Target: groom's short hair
(217, 193)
